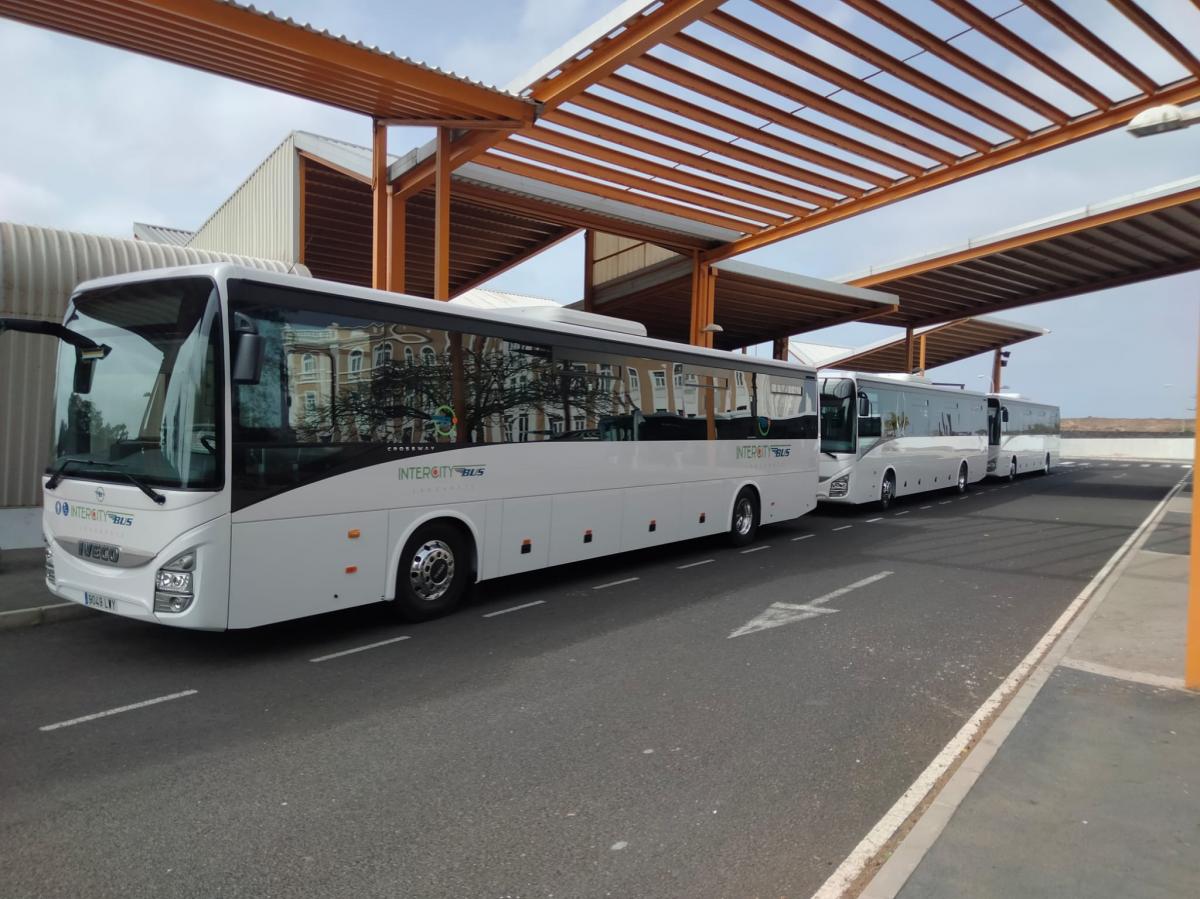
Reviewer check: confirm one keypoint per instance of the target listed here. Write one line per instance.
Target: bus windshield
(837, 415)
(151, 409)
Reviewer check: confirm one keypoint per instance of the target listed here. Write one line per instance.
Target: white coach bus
(233, 448)
(885, 436)
(1023, 436)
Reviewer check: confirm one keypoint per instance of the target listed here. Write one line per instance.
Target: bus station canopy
(753, 304)
(936, 345)
(766, 119)
(1135, 238)
(263, 49)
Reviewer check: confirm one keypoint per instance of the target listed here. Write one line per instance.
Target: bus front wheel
(435, 571)
(962, 478)
(744, 525)
(1012, 470)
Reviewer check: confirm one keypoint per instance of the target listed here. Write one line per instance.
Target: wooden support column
(922, 368)
(441, 219)
(779, 349)
(996, 358)
(397, 241)
(908, 349)
(302, 209)
(379, 204)
(1191, 665)
(589, 270)
(697, 305)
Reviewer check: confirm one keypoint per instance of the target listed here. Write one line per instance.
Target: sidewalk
(1095, 791)
(24, 599)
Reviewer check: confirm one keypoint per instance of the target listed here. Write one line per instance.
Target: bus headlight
(173, 584)
(839, 486)
(49, 562)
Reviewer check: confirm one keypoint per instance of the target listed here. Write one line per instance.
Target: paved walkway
(1096, 790)
(24, 599)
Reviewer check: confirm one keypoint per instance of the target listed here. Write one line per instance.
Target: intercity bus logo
(91, 513)
(763, 451)
(441, 472)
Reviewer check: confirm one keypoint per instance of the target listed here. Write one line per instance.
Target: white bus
(233, 448)
(885, 436)
(1023, 436)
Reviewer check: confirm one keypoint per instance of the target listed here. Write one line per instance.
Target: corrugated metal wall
(262, 217)
(39, 268)
(616, 256)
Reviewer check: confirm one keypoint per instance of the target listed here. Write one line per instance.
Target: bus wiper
(142, 486)
(57, 476)
(829, 454)
(89, 347)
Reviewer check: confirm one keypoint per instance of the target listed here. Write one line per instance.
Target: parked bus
(1023, 436)
(233, 448)
(885, 436)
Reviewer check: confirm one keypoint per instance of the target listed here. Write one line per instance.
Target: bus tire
(743, 525)
(1012, 470)
(887, 490)
(961, 484)
(434, 573)
(1046, 468)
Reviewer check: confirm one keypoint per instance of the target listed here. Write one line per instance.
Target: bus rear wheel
(887, 491)
(744, 525)
(434, 572)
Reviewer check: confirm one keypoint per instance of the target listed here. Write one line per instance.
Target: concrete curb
(891, 877)
(63, 611)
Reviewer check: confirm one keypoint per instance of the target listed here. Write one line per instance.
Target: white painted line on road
(526, 605)
(755, 549)
(1114, 477)
(1145, 465)
(694, 564)
(347, 652)
(1164, 466)
(855, 863)
(1137, 677)
(801, 537)
(844, 527)
(118, 710)
(778, 614)
(628, 580)
(923, 508)
(944, 502)
(905, 512)
(873, 520)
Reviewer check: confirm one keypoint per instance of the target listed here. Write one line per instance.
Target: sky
(95, 139)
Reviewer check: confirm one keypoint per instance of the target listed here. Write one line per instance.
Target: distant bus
(1023, 436)
(233, 448)
(886, 436)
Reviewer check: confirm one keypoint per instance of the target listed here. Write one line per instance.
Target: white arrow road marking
(778, 614)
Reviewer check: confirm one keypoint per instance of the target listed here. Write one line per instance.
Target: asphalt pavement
(591, 730)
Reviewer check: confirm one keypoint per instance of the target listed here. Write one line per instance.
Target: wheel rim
(432, 570)
(1012, 469)
(743, 516)
(962, 479)
(886, 494)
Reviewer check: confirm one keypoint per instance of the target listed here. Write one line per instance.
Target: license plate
(96, 601)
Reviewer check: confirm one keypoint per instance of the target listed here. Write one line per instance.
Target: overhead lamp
(1158, 119)
(712, 328)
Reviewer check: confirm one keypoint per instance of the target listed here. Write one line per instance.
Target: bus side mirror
(1004, 413)
(864, 405)
(248, 350)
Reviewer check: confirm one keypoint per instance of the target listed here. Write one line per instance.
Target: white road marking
(1164, 466)
(755, 549)
(536, 602)
(905, 512)
(778, 614)
(1145, 465)
(347, 652)
(1137, 677)
(628, 580)
(118, 710)
(923, 508)
(801, 537)
(1114, 477)
(694, 564)
(873, 520)
(944, 502)
(844, 527)
(852, 867)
